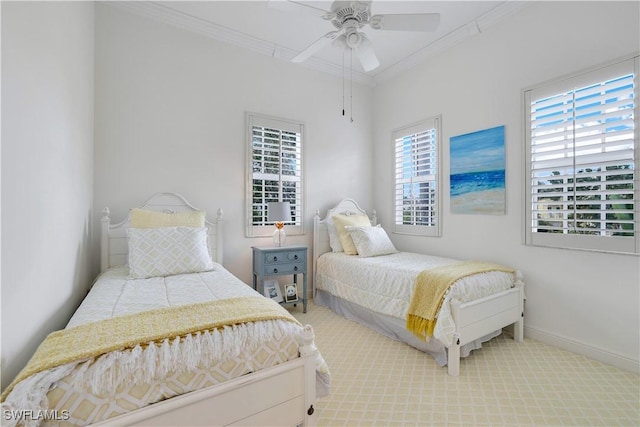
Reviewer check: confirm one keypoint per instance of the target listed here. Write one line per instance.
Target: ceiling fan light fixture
(349, 18)
(366, 55)
(353, 39)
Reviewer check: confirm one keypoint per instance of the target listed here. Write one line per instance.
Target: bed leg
(453, 362)
(518, 327)
(518, 330)
(309, 351)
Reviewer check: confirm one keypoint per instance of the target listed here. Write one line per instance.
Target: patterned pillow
(166, 251)
(371, 241)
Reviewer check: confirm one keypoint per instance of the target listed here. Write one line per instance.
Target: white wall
(170, 116)
(47, 170)
(586, 302)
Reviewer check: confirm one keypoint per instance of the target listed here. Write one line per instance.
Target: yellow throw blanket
(91, 340)
(430, 289)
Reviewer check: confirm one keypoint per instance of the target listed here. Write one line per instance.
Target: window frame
(567, 84)
(430, 124)
(293, 126)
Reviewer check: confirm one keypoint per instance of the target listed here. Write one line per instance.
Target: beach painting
(478, 172)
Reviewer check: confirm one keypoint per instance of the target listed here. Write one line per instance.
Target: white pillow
(334, 238)
(371, 241)
(166, 251)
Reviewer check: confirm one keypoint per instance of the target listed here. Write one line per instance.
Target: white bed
(261, 372)
(376, 291)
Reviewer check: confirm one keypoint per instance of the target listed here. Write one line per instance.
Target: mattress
(384, 284)
(76, 400)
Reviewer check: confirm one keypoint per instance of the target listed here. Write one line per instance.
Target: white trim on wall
(578, 347)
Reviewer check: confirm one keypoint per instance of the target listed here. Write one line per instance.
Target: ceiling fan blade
(366, 55)
(316, 46)
(406, 22)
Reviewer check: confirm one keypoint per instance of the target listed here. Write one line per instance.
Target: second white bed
(376, 290)
(384, 284)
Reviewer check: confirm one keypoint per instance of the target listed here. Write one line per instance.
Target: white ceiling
(260, 25)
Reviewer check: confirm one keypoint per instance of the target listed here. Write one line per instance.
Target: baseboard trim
(601, 355)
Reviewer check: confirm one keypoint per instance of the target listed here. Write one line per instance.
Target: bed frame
(473, 320)
(281, 395)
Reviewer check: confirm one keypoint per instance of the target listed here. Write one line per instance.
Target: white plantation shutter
(275, 172)
(417, 183)
(582, 146)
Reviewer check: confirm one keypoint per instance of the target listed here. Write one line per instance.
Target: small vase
(279, 237)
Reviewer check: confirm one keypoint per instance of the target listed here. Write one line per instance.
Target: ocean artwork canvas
(477, 181)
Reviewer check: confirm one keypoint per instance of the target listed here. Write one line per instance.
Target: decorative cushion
(371, 241)
(165, 251)
(142, 218)
(341, 221)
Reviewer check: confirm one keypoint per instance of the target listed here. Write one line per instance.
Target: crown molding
(167, 15)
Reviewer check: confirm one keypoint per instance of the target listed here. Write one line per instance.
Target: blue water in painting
(471, 182)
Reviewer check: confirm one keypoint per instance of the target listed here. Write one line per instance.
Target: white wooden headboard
(320, 232)
(113, 238)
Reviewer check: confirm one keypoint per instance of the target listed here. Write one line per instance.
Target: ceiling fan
(349, 17)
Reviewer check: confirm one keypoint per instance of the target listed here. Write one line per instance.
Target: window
(417, 181)
(275, 172)
(582, 151)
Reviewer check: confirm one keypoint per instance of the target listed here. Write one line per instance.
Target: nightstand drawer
(291, 268)
(284, 257)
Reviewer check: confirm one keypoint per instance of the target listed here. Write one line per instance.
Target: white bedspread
(116, 295)
(384, 284)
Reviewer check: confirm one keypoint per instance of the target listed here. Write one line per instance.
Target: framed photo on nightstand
(272, 290)
(290, 292)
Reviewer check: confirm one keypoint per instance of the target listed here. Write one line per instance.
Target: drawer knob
(310, 411)
(295, 268)
(275, 270)
(295, 256)
(275, 258)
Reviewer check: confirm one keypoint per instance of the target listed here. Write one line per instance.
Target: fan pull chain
(351, 88)
(343, 83)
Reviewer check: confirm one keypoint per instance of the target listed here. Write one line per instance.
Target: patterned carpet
(378, 381)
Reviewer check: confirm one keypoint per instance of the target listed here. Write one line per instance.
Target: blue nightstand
(281, 261)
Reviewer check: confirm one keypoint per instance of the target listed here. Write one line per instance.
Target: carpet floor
(379, 381)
